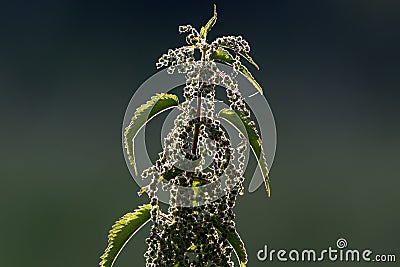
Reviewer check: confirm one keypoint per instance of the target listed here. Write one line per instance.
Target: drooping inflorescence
(200, 167)
(190, 234)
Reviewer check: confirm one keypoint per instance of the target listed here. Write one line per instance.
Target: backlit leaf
(242, 124)
(142, 115)
(205, 29)
(235, 241)
(122, 231)
(241, 53)
(224, 56)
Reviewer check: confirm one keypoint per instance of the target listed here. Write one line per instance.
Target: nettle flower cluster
(199, 197)
(200, 168)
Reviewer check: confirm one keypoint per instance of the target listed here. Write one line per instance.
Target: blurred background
(330, 71)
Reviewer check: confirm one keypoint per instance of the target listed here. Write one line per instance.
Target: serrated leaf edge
(117, 228)
(227, 58)
(146, 107)
(258, 152)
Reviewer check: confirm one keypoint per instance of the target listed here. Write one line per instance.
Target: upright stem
(198, 113)
(197, 126)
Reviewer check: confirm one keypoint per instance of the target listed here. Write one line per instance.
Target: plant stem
(198, 113)
(197, 126)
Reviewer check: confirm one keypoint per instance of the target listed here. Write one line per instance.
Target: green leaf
(142, 115)
(249, 59)
(238, 246)
(248, 129)
(122, 231)
(241, 53)
(205, 29)
(236, 242)
(224, 56)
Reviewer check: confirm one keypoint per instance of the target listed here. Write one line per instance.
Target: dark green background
(330, 70)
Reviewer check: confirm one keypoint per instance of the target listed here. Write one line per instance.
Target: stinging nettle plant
(198, 228)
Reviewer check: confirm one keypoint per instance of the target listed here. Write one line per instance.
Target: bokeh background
(68, 68)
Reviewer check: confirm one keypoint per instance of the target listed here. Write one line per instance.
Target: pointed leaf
(205, 29)
(249, 59)
(236, 242)
(238, 246)
(224, 56)
(248, 129)
(122, 231)
(241, 53)
(143, 114)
